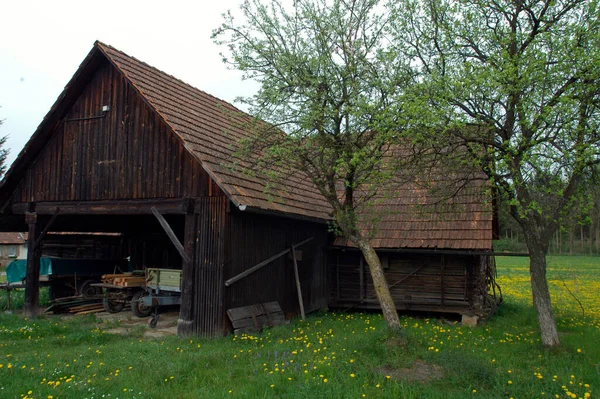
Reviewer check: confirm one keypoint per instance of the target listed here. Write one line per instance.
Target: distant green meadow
(330, 355)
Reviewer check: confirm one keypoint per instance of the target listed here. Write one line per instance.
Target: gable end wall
(127, 153)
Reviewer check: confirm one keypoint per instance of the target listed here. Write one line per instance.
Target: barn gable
(123, 152)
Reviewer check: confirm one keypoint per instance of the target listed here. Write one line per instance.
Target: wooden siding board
(415, 281)
(252, 239)
(128, 154)
(209, 284)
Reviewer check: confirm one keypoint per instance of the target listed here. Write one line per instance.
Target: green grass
(334, 355)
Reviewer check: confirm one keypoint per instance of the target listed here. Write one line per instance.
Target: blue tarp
(17, 269)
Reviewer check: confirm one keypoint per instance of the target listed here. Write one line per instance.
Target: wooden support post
(31, 306)
(298, 287)
(185, 324)
(8, 298)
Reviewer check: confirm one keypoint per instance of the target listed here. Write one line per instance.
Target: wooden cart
(120, 289)
(163, 288)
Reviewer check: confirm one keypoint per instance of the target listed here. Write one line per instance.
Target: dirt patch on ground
(128, 324)
(418, 372)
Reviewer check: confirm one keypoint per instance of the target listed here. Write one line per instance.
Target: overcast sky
(42, 43)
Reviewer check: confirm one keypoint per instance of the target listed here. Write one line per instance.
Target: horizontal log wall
(254, 238)
(127, 153)
(417, 281)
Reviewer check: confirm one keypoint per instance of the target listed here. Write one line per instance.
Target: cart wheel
(137, 307)
(153, 321)
(112, 306)
(86, 290)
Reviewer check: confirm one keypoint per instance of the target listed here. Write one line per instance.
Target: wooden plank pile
(124, 280)
(256, 317)
(75, 305)
(87, 309)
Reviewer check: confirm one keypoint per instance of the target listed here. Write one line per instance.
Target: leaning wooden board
(255, 317)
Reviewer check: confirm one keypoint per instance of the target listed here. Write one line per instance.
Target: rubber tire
(137, 307)
(153, 321)
(112, 306)
(85, 290)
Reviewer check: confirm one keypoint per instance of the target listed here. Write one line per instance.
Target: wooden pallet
(256, 317)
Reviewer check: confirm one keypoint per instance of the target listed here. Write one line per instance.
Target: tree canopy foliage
(330, 80)
(527, 73)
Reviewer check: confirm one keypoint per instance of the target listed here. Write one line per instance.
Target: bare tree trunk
(571, 234)
(541, 297)
(559, 242)
(382, 289)
(582, 240)
(591, 240)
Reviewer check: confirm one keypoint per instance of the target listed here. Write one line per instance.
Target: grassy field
(334, 355)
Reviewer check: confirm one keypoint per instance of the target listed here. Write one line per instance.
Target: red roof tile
(13, 238)
(211, 128)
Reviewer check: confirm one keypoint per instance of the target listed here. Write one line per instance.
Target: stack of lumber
(124, 280)
(87, 309)
(75, 305)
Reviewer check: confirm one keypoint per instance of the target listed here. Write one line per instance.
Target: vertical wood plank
(185, 324)
(31, 306)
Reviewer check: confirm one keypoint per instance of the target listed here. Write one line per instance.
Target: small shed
(435, 252)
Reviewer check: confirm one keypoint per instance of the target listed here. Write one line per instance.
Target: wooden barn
(130, 150)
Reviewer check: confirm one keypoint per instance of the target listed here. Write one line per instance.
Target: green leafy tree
(527, 72)
(329, 80)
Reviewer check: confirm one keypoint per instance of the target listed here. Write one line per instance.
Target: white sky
(42, 44)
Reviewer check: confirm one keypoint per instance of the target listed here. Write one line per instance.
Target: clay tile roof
(417, 217)
(13, 238)
(210, 129)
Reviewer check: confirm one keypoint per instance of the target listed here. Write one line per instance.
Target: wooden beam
(185, 324)
(116, 207)
(38, 241)
(31, 305)
(165, 225)
(298, 287)
(263, 263)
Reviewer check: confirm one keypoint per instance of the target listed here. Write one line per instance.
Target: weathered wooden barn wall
(125, 153)
(209, 267)
(428, 282)
(253, 238)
